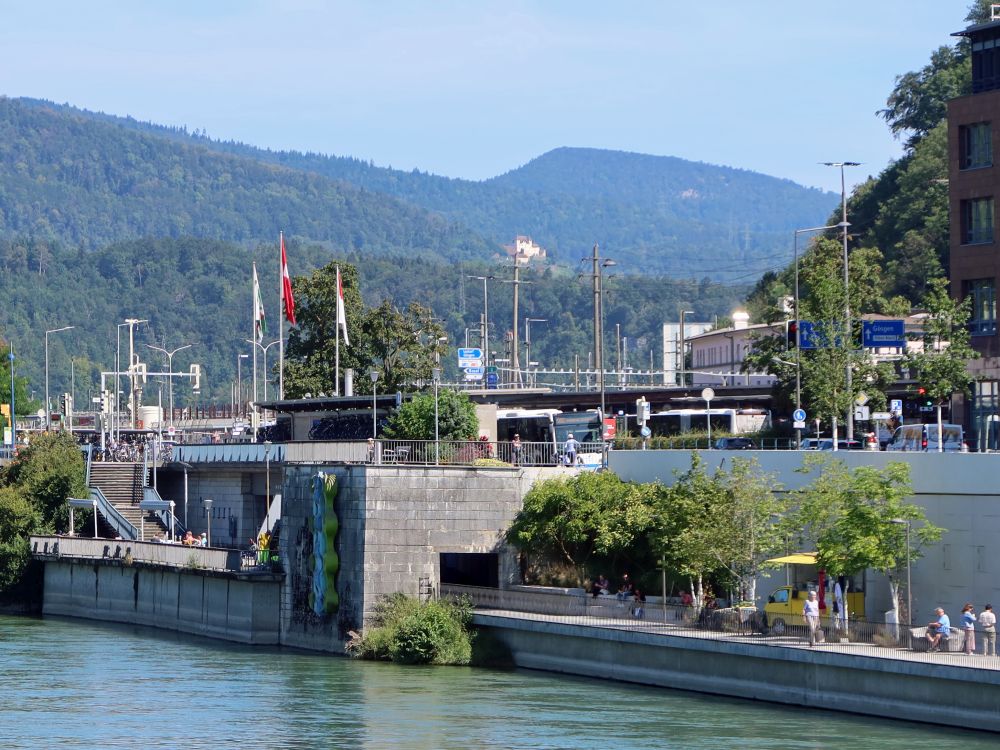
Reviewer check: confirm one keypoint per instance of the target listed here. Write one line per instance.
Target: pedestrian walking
(988, 623)
(810, 613)
(570, 448)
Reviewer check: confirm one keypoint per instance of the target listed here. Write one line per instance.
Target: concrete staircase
(122, 485)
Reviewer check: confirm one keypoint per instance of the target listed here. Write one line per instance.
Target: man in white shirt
(988, 622)
(810, 613)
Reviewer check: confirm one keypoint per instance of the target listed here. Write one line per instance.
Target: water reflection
(77, 684)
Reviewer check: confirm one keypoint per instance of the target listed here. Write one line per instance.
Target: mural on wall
(323, 599)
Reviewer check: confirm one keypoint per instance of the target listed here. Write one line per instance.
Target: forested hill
(653, 214)
(90, 182)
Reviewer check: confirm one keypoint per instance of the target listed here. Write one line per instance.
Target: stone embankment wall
(913, 691)
(200, 602)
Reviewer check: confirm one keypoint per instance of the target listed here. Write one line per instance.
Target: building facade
(973, 186)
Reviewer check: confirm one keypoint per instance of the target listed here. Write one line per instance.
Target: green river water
(84, 685)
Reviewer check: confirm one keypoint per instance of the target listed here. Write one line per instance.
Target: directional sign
(472, 370)
(799, 415)
(468, 353)
(467, 362)
(876, 334)
(473, 375)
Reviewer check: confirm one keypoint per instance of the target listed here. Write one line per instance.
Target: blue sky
(473, 89)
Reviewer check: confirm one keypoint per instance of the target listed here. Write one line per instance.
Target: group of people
(626, 592)
(188, 540)
(939, 631)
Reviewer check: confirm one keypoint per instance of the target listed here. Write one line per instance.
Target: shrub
(408, 632)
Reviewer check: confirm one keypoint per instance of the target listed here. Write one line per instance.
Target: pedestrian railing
(656, 616)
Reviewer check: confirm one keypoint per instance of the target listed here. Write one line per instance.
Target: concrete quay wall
(911, 691)
(198, 602)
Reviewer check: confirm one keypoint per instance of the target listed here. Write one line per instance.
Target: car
(842, 445)
(811, 444)
(735, 444)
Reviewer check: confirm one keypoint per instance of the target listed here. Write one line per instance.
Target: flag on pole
(259, 321)
(341, 310)
(286, 286)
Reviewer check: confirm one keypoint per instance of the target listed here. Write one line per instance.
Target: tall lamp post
(13, 414)
(682, 350)
(239, 382)
(267, 483)
(847, 297)
(374, 376)
(48, 409)
(909, 597)
(170, 374)
(795, 317)
(436, 374)
(527, 337)
(486, 317)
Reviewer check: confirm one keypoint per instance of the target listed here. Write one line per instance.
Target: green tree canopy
(414, 419)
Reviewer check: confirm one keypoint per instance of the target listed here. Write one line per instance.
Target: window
(977, 221)
(983, 318)
(976, 145)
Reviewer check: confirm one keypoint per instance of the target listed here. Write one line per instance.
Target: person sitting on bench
(938, 631)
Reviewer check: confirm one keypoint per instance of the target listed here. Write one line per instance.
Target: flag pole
(281, 322)
(336, 382)
(253, 339)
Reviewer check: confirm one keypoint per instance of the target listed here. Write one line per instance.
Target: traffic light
(924, 399)
(791, 334)
(62, 404)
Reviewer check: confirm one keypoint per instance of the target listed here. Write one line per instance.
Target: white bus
(729, 421)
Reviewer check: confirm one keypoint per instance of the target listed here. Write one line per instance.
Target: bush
(408, 632)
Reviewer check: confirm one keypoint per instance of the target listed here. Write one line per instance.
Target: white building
(717, 356)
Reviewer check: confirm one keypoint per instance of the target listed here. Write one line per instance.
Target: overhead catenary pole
(281, 313)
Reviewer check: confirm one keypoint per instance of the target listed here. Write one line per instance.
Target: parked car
(811, 444)
(924, 437)
(735, 444)
(842, 445)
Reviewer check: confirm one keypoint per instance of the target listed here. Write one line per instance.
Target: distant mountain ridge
(655, 214)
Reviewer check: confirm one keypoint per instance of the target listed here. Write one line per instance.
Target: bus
(587, 429)
(724, 421)
(544, 432)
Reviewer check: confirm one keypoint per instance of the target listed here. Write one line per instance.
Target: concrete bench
(919, 642)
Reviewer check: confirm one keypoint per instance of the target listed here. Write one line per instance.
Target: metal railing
(857, 638)
(118, 523)
(165, 554)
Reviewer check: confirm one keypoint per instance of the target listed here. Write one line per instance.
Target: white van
(924, 437)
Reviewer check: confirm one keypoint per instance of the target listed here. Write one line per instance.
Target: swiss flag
(286, 286)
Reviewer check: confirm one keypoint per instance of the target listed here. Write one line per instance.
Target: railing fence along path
(859, 638)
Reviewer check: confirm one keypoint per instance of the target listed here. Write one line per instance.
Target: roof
(970, 30)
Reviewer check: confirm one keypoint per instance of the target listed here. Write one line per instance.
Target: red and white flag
(286, 286)
(341, 310)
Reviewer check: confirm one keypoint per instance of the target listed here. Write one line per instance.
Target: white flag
(259, 324)
(341, 311)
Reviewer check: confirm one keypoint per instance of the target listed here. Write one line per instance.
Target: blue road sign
(799, 415)
(474, 370)
(491, 380)
(883, 333)
(469, 353)
(808, 337)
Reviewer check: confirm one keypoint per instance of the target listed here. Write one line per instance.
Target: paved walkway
(788, 640)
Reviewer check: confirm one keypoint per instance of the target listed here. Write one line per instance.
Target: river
(82, 685)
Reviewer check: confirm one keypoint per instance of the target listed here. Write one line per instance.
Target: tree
(854, 517)
(572, 519)
(414, 419)
(746, 520)
(940, 366)
(402, 345)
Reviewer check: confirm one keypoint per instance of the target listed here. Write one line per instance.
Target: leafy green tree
(572, 519)
(23, 403)
(414, 419)
(851, 514)
(940, 366)
(18, 520)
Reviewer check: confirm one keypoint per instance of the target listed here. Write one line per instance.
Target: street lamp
(48, 410)
(486, 317)
(170, 374)
(436, 375)
(239, 382)
(374, 376)
(264, 350)
(13, 414)
(208, 518)
(847, 298)
(795, 317)
(608, 263)
(909, 596)
(267, 483)
(682, 349)
(527, 337)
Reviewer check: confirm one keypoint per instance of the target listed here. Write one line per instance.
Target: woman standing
(968, 623)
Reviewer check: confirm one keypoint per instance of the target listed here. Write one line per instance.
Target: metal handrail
(121, 525)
